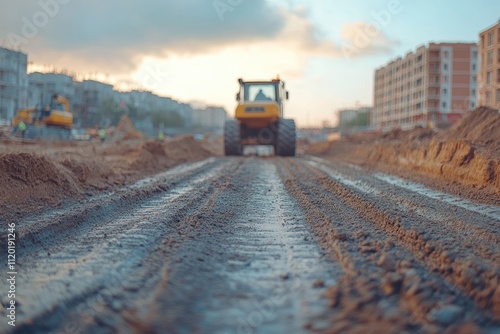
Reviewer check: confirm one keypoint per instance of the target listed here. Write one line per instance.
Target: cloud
(361, 39)
(114, 37)
(118, 33)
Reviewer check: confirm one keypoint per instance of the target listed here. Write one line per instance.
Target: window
(445, 67)
(472, 105)
(473, 92)
(498, 95)
(474, 67)
(474, 54)
(474, 78)
(490, 39)
(490, 58)
(488, 98)
(446, 54)
(443, 104)
(489, 75)
(445, 91)
(445, 78)
(259, 92)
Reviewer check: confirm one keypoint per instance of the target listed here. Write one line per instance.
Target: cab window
(259, 92)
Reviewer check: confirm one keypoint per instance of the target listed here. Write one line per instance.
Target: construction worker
(22, 127)
(102, 134)
(260, 96)
(161, 135)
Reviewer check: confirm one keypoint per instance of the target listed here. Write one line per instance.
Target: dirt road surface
(261, 245)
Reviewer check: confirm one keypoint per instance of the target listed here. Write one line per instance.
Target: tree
(169, 119)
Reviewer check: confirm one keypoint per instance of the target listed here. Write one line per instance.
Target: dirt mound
(418, 133)
(26, 176)
(481, 126)
(31, 169)
(187, 148)
(149, 156)
(319, 148)
(155, 148)
(159, 155)
(89, 174)
(35, 174)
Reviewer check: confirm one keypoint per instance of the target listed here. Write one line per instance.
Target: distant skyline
(195, 50)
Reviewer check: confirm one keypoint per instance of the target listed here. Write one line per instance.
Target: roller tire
(232, 138)
(286, 141)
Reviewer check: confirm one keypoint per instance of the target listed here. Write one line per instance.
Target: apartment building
(489, 68)
(209, 118)
(13, 82)
(42, 86)
(436, 83)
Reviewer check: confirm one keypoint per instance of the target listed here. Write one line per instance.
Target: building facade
(42, 86)
(13, 82)
(354, 118)
(88, 98)
(489, 68)
(437, 83)
(210, 118)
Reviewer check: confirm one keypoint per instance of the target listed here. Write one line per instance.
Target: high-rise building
(13, 82)
(489, 67)
(436, 83)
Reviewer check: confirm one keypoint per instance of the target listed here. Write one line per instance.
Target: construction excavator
(54, 121)
(259, 119)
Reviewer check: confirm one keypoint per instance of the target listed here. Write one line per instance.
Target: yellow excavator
(52, 122)
(259, 119)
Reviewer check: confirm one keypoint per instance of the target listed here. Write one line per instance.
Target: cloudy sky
(195, 50)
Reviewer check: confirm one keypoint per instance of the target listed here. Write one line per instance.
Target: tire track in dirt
(351, 195)
(253, 245)
(473, 268)
(253, 267)
(454, 224)
(100, 264)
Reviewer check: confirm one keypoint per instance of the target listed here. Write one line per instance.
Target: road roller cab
(259, 119)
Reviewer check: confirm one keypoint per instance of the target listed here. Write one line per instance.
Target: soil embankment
(464, 159)
(39, 174)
